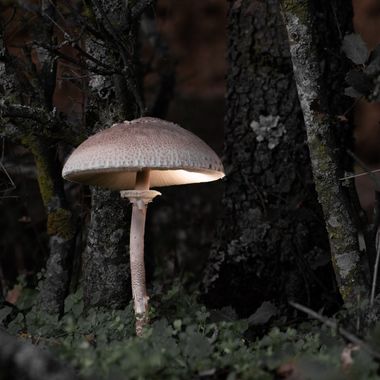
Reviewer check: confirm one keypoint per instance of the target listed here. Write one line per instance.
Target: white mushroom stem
(140, 197)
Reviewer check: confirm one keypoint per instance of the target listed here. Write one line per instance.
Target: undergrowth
(187, 341)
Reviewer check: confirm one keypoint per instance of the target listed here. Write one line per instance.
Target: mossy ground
(188, 341)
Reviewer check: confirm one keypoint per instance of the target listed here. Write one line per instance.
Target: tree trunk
(112, 98)
(59, 218)
(316, 30)
(271, 241)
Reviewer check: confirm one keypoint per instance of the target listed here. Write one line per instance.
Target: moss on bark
(310, 31)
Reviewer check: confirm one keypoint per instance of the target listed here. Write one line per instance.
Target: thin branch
(25, 112)
(366, 168)
(334, 325)
(45, 123)
(116, 36)
(376, 268)
(83, 21)
(140, 8)
(359, 175)
(12, 184)
(109, 70)
(73, 42)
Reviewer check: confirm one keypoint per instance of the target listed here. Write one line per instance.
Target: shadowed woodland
(269, 273)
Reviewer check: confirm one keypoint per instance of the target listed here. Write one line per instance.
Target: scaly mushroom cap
(112, 157)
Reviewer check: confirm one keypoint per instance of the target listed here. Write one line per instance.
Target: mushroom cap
(174, 156)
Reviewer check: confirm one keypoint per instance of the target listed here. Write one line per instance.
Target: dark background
(181, 223)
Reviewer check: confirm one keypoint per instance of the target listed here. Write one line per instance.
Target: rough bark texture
(20, 360)
(112, 98)
(105, 261)
(59, 219)
(271, 242)
(60, 227)
(55, 286)
(314, 28)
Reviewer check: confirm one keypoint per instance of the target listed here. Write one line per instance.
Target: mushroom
(132, 157)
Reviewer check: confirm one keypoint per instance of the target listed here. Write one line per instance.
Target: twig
(140, 8)
(82, 20)
(25, 112)
(115, 34)
(376, 224)
(366, 168)
(376, 268)
(2, 168)
(333, 324)
(13, 186)
(45, 123)
(109, 70)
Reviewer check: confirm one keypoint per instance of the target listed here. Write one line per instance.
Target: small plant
(189, 341)
(364, 80)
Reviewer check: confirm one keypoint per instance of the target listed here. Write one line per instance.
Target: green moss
(58, 220)
(298, 8)
(59, 224)
(45, 181)
(341, 239)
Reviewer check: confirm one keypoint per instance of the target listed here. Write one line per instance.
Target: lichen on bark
(312, 69)
(271, 242)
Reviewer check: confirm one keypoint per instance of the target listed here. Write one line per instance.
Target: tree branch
(334, 325)
(108, 70)
(45, 123)
(140, 8)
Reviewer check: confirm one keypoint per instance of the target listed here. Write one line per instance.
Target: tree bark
(112, 98)
(271, 242)
(59, 218)
(60, 227)
(314, 28)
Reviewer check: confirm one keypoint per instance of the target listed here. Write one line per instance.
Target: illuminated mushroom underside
(132, 157)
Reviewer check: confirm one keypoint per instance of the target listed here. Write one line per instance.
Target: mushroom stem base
(139, 200)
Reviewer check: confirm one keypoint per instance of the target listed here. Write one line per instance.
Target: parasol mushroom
(132, 157)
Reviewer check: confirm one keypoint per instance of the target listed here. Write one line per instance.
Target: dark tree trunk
(271, 242)
(60, 229)
(111, 98)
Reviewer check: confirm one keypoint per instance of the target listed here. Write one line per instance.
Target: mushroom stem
(136, 245)
(140, 197)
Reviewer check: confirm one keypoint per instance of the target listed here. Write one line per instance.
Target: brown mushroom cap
(173, 155)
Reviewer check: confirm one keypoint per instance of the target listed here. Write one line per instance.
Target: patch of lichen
(352, 291)
(340, 236)
(298, 8)
(59, 223)
(45, 181)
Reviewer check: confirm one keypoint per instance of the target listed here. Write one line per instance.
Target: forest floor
(185, 340)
